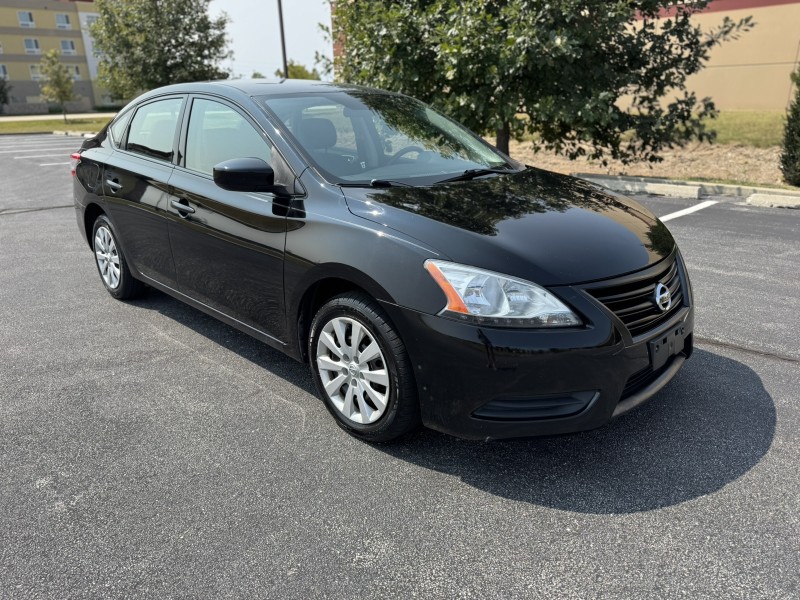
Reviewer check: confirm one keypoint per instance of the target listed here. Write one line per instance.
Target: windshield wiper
(378, 183)
(473, 173)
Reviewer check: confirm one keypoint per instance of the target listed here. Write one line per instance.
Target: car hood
(534, 224)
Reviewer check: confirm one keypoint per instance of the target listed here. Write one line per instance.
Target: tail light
(75, 158)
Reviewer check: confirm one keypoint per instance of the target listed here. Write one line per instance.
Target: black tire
(124, 286)
(400, 416)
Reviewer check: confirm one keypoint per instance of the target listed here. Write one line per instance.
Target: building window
(32, 46)
(62, 21)
(91, 20)
(1, 47)
(75, 71)
(36, 73)
(26, 19)
(68, 47)
(3, 72)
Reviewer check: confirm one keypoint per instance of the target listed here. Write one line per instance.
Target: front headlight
(488, 298)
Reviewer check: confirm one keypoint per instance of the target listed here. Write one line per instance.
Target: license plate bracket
(665, 345)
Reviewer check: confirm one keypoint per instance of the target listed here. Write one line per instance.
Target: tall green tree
(5, 93)
(145, 44)
(298, 71)
(57, 84)
(587, 78)
(790, 157)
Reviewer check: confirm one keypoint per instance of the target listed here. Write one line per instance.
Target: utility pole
(283, 41)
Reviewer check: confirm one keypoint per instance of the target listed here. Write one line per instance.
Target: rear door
(135, 187)
(228, 246)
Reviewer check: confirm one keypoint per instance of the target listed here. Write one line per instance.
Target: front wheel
(361, 369)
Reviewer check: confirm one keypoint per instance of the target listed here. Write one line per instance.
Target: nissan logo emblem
(662, 297)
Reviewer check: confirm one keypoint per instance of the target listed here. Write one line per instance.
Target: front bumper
(487, 383)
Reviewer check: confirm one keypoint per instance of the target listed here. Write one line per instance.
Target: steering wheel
(404, 151)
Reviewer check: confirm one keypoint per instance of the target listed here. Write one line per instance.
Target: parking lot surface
(149, 451)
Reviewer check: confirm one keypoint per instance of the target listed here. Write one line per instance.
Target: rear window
(152, 131)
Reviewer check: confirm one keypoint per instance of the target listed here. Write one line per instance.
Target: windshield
(356, 137)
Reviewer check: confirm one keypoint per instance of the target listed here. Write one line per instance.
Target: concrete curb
(695, 189)
(674, 189)
(77, 133)
(774, 200)
(56, 116)
(85, 134)
(3, 134)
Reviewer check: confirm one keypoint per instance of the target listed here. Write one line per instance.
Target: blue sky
(255, 37)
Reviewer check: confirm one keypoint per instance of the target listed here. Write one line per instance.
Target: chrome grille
(633, 301)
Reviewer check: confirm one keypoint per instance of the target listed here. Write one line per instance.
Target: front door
(228, 246)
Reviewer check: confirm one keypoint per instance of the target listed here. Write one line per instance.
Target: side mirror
(246, 175)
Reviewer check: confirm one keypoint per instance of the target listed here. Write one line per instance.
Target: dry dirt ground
(742, 164)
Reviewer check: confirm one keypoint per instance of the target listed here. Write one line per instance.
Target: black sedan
(424, 276)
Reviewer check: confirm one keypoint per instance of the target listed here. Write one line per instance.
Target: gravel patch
(744, 164)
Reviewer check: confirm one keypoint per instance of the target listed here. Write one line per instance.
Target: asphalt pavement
(149, 451)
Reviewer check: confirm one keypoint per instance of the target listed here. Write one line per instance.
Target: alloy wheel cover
(105, 251)
(353, 370)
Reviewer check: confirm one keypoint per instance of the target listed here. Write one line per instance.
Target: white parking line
(42, 155)
(39, 139)
(12, 149)
(688, 211)
(5, 142)
(38, 146)
(50, 147)
(52, 164)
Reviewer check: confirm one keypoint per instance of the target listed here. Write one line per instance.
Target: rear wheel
(111, 263)
(361, 369)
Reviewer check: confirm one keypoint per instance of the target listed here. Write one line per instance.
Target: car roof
(261, 87)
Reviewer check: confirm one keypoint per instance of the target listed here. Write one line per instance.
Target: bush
(5, 93)
(790, 157)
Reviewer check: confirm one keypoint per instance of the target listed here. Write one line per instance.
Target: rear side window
(152, 131)
(117, 128)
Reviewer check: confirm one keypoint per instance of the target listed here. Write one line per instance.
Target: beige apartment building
(28, 29)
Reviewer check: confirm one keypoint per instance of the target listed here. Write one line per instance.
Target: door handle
(181, 207)
(114, 185)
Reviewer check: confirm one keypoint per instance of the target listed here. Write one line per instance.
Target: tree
(57, 83)
(298, 71)
(5, 93)
(790, 157)
(257, 75)
(144, 44)
(586, 78)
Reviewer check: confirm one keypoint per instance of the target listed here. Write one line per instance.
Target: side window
(153, 127)
(117, 128)
(218, 133)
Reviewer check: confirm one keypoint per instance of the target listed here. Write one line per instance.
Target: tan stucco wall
(752, 73)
